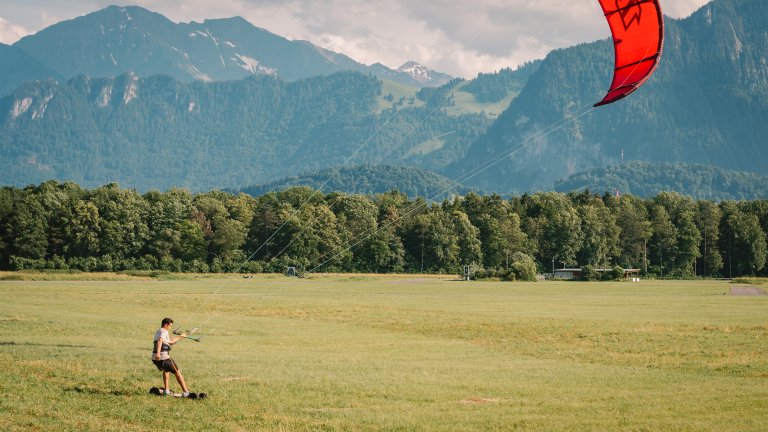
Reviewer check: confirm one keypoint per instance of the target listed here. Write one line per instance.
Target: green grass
(467, 103)
(394, 353)
(463, 101)
(428, 146)
(751, 281)
(397, 91)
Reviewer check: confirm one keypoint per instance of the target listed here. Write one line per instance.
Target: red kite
(637, 27)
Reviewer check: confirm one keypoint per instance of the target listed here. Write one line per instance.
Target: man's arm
(158, 347)
(176, 339)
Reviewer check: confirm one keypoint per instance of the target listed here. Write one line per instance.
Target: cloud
(460, 37)
(682, 8)
(10, 33)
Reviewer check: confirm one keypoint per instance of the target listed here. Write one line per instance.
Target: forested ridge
(64, 226)
(157, 133)
(369, 179)
(648, 179)
(706, 104)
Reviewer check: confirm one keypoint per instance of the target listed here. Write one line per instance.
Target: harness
(163, 348)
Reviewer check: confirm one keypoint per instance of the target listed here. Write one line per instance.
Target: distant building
(575, 273)
(568, 273)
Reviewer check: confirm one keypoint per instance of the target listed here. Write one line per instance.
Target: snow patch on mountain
(218, 48)
(252, 65)
(24, 105)
(186, 56)
(39, 112)
(21, 106)
(190, 68)
(128, 16)
(105, 96)
(132, 90)
(193, 71)
(422, 74)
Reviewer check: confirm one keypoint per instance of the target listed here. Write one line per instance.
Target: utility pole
(661, 261)
(730, 264)
(645, 256)
(553, 266)
(705, 251)
(422, 232)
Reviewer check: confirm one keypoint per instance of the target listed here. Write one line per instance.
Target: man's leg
(166, 379)
(179, 376)
(182, 383)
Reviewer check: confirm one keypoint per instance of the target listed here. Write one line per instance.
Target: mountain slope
(706, 104)
(118, 40)
(159, 132)
(647, 179)
(17, 67)
(368, 179)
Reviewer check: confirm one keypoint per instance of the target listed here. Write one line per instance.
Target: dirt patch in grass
(414, 281)
(478, 401)
(237, 378)
(743, 290)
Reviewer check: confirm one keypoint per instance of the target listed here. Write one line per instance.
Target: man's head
(166, 322)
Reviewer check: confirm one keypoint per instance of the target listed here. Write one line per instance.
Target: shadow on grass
(98, 391)
(5, 343)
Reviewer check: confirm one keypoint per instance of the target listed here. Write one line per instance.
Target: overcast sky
(459, 37)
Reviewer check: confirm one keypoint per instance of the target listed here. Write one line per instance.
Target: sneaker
(167, 392)
(185, 394)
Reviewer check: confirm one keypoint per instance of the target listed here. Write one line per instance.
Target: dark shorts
(166, 365)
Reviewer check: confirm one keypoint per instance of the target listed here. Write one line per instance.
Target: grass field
(393, 353)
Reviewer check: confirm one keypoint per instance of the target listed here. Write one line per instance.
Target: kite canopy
(637, 27)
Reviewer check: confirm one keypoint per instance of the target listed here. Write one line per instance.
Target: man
(160, 357)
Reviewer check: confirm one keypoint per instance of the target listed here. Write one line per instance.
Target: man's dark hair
(166, 321)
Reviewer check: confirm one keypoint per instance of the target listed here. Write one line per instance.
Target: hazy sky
(459, 37)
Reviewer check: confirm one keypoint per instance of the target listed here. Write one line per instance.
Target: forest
(63, 226)
(648, 179)
(216, 135)
(367, 180)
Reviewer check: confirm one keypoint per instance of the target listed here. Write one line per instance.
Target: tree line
(493, 87)
(366, 180)
(64, 226)
(647, 179)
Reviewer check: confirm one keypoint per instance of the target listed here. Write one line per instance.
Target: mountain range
(158, 132)
(126, 95)
(706, 104)
(119, 40)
